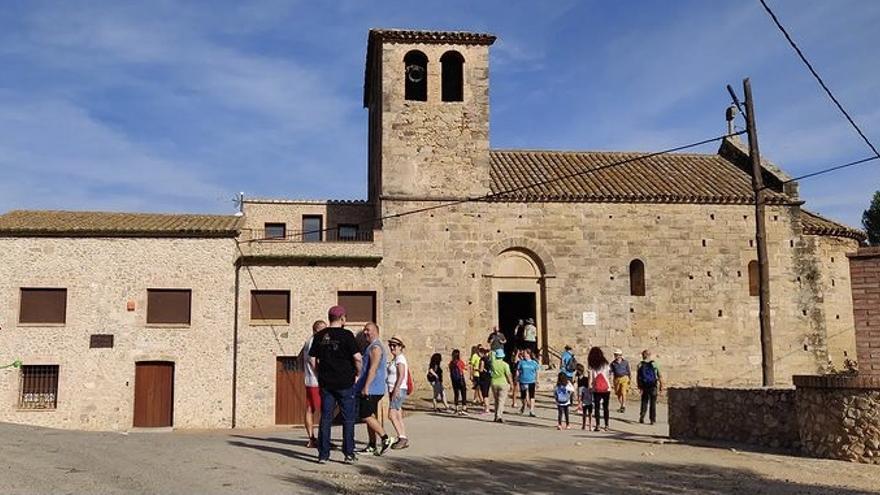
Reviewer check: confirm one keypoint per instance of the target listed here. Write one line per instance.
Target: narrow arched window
(416, 76)
(754, 285)
(452, 70)
(636, 278)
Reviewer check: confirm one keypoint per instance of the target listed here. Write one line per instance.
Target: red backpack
(600, 383)
(409, 381)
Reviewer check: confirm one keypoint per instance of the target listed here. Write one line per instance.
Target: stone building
(616, 249)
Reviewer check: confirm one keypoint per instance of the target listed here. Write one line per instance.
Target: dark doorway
(153, 394)
(513, 306)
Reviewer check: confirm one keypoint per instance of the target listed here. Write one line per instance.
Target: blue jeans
(347, 406)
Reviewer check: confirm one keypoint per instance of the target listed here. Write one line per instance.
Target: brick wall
(865, 278)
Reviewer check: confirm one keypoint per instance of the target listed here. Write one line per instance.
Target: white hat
(618, 352)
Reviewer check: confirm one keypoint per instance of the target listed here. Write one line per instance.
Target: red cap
(336, 312)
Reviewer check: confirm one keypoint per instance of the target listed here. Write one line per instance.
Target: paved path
(448, 455)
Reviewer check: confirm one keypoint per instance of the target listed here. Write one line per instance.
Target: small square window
(275, 231)
(348, 232)
(360, 306)
(169, 306)
(39, 387)
(272, 305)
(312, 228)
(43, 306)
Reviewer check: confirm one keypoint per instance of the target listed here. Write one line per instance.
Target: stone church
(125, 320)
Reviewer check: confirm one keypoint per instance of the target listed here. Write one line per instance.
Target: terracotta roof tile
(818, 225)
(670, 178)
(433, 37)
(90, 223)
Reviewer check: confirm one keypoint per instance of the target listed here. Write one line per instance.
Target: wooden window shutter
(169, 306)
(43, 306)
(270, 305)
(360, 306)
(754, 286)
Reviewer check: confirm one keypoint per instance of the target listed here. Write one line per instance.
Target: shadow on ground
(454, 475)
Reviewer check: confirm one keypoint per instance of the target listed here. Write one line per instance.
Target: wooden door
(290, 391)
(153, 394)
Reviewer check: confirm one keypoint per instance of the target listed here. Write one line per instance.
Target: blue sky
(176, 106)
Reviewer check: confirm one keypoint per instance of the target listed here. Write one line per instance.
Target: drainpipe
(235, 343)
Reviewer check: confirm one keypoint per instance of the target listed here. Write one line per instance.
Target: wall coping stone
(837, 381)
(865, 252)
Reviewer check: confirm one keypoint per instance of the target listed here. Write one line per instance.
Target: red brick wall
(864, 267)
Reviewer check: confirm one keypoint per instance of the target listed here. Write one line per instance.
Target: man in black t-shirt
(337, 360)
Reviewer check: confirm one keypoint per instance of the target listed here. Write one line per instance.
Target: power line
(487, 197)
(819, 78)
(831, 169)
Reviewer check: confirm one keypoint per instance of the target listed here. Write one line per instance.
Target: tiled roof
(433, 37)
(626, 177)
(817, 225)
(107, 224)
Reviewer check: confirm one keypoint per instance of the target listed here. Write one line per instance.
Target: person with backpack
(568, 363)
(621, 373)
(600, 383)
(650, 383)
(435, 378)
(562, 393)
(398, 380)
(457, 370)
(586, 398)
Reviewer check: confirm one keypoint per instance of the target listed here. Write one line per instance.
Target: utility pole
(761, 238)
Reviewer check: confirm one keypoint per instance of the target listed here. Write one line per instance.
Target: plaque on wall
(100, 340)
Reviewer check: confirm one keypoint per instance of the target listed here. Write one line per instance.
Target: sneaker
(499, 420)
(532, 414)
(385, 444)
(642, 420)
(596, 429)
(462, 413)
(321, 460)
(652, 422)
(369, 449)
(558, 427)
(350, 459)
(567, 427)
(312, 444)
(522, 410)
(401, 443)
(623, 409)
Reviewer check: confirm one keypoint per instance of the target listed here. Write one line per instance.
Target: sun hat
(499, 353)
(618, 352)
(396, 341)
(530, 320)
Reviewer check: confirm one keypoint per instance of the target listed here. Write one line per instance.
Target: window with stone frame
(415, 65)
(43, 306)
(637, 278)
(452, 74)
(39, 387)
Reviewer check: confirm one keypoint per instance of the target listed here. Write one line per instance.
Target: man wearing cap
(337, 359)
(621, 373)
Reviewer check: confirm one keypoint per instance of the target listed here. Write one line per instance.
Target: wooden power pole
(761, 238)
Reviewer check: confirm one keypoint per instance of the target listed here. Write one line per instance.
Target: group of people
(594, 384)
(354, 376)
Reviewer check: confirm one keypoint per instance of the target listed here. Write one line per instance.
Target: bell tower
(428, 98)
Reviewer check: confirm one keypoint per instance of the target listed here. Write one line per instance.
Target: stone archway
(518, 292)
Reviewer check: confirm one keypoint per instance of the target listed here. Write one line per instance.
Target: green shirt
(500, 372)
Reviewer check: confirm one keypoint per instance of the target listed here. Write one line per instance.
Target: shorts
(621, 385)
(475, 382)
(313, 398)
(438, 388)
(368, 405)
(587, 408)
(397, 404)
(527, 387)
(485, 382)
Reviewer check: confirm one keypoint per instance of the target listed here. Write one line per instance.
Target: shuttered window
(637, 278)
(169, 306)
(313, 226)
(43, 306)
(270, 305)
(754, 284)
(275, 230)
(360, 306)
(39, 387)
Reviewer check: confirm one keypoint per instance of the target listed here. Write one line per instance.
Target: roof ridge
(584, 152)
(104, 212)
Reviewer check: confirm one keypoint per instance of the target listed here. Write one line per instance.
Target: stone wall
(102, 276)
(839, 417)
(865, 269)
(757, 416)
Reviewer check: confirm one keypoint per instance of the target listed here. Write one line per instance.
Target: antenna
(239, 202)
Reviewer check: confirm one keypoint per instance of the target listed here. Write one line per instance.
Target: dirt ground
(447, 455)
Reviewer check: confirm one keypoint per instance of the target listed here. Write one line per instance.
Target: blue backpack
(563, 395)
(647, 374)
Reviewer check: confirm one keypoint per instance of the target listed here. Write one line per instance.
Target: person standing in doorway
(622, 375)
(371, 387)
(336, 358)
(313, 391)
(530, 337)
(600, 382)
(496, 340)
(398, 369)
(501, 381)
(650, 383)
(527, 371)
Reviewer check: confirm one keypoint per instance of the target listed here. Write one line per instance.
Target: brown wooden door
(290, 391)
(153, 394)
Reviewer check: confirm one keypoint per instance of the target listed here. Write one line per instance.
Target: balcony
(347, 245)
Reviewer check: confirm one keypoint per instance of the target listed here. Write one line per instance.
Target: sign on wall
(589, 319)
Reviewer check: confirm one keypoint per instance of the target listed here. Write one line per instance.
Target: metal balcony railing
(330, 235)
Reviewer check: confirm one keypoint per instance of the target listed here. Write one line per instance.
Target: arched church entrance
(518, 290)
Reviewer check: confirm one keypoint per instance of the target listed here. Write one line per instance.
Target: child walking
(586, 398)
(435, 378)
(564, 391)
(457, 370)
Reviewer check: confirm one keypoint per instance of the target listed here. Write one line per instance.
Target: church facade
(207, 314)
